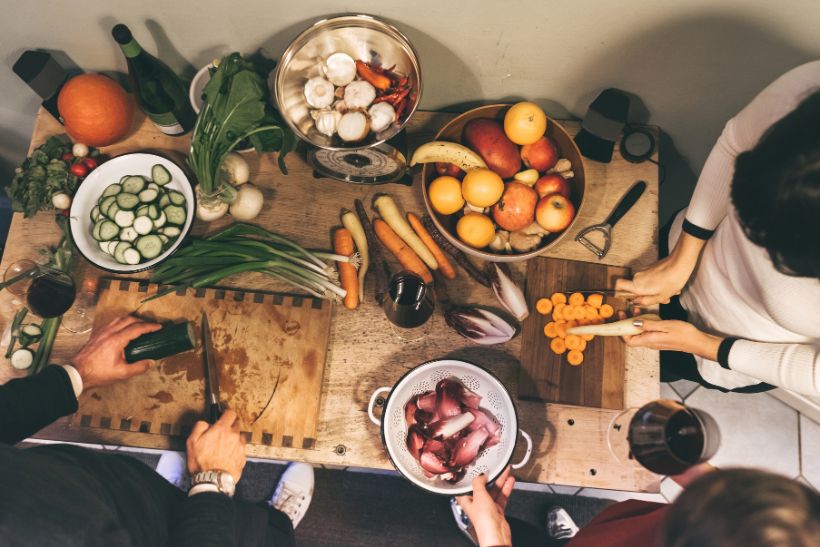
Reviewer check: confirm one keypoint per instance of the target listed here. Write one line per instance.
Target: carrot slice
(588, 337)
(550, 330)
(543, 306)
(575, 357)
(558, 311)
(606, 311)
(576, 299)
(557, 346)
(595, 300)
(572, 323)
(572, 341)
(583, 344)
(590, 312)
(561, 328)
(558, 298)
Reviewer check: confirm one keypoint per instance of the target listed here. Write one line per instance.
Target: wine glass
(409, 305)
(18, 276)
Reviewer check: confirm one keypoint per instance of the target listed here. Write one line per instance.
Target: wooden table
(570, 443)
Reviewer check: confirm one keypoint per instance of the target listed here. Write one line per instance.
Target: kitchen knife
(214, 410)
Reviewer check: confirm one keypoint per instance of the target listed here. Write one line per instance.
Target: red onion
(479, 325)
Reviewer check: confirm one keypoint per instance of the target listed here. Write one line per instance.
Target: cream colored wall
(693, 62)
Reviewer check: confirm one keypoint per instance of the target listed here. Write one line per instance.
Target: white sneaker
(294, 492)
(173, 468)
(463, 521)
(560, 525)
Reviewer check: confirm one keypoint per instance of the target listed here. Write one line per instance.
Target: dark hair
(776, 191)
(744, 508)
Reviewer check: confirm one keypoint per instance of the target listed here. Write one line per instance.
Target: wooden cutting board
(544, 376)
(270, 353)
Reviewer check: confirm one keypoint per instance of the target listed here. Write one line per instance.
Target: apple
(516, 208)
(540, 155)
(554, 212)
(552, 183)
(449, 169)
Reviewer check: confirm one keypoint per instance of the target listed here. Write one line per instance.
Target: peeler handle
(626, 202)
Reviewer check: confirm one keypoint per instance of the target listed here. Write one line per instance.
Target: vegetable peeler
(626, 203)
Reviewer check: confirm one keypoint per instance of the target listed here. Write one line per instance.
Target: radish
(248, 202)
(209, 208)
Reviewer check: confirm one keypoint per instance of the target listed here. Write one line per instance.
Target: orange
(525, 123)
(476, 230)
(445, 195)
(575, 357)
(557, 346)
(543, 306)
(95, 109)
(482, 187)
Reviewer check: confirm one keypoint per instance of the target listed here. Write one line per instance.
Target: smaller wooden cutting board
(544, 376)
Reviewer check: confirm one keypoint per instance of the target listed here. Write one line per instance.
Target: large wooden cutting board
(270, 353)
(544, 376)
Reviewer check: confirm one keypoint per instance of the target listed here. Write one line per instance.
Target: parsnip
(624, 327)
(351, 222)
(389, 211)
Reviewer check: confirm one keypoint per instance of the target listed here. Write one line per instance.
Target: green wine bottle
(159, 91)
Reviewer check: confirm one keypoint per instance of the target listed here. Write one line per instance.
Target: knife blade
(214, 410)
(608, 292)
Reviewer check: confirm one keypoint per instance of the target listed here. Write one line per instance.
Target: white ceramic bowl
(494, 398)
(89, 193)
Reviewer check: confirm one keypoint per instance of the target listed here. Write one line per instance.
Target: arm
(795, 367)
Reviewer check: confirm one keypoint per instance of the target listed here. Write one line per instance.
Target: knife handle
(626, 202)
(214, 412)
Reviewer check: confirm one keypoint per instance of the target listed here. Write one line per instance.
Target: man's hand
(102, 359)
(676, 336)
(217, 447)
(485, 509)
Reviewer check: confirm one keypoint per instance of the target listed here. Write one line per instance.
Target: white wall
(693, 62)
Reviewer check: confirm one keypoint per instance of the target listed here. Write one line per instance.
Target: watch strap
(221, 480)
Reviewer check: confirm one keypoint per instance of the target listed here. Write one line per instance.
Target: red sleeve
(624, 524)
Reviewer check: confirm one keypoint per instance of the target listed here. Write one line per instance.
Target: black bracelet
(723, 352)
(696, 231)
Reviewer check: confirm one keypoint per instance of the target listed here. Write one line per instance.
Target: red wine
(409, 301)
(51, 294)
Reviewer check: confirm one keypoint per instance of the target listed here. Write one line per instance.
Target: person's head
(776, 191)
(744, 508)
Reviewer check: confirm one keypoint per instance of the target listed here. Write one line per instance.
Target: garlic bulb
(353, 126)
(359, 94)
(381, 116)
(340, 69)
(326, 121)
(340, 106)
(319, 92)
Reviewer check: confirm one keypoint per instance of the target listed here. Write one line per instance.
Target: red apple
(552, 183)
(554, 212)
(449, 169)
(516, 208)
(541, 155)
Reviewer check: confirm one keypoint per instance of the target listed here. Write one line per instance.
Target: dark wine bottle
(159, 91)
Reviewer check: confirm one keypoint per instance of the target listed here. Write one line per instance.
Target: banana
(447, 152)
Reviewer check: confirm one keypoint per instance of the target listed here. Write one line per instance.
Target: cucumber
(30, 334)
(143, 225)
(112, 190)
(133, 184)
(124, 218)
(105, 203)
(161, 220)
(171, 231)
(131, 256)
(128, 234)
(154, 186)
(95, 213)
(95, 231)
(141, 211)
(108, 231)
(169, 340)
(119, 251)
(160, 174)
(113, 210)
(149, 246)
(148, 195)
(22, 358)
(165, 239)
(164, 201)
(153, 212)
(127, 201)
(175, 214)
(176, 197)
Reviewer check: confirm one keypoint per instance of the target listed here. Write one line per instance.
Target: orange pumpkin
(95, 109)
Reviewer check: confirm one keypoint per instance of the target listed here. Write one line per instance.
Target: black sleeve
(29, 404)
(205, 520)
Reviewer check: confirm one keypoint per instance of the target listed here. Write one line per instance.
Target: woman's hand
(667, 277)
(675, 336)
(485, 509)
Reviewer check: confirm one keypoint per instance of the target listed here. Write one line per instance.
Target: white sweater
(735, 289)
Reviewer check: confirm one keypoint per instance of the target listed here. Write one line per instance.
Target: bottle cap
(121, 34)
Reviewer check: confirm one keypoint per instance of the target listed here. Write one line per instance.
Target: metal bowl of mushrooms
(349, 82)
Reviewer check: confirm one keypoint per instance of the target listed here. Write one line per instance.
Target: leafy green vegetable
(42, 175)
(236, 107)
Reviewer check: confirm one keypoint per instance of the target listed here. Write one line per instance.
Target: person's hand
(485, 509)
(675, 336)
(217, 447)
(102, 359)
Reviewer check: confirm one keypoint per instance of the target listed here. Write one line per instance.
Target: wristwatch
(222, 480)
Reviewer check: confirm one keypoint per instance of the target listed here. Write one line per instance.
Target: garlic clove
(319, 92)
(359, 94)
(382, 116)
(340, 69)
(353, 126)
(326, 121)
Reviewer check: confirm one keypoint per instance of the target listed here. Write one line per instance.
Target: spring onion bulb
(508, 293)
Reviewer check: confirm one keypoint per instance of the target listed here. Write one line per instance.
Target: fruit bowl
(446, 224)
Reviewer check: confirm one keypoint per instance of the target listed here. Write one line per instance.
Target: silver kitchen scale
(380, 157)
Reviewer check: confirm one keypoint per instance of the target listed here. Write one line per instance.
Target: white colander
(494, 398)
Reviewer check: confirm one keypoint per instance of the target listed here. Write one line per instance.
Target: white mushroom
(353, 126)
(381, 116)
(326, 121)
(319, 92)
(340, 69)
(359, 94)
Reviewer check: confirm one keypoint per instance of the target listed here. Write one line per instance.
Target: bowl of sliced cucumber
(132, 212)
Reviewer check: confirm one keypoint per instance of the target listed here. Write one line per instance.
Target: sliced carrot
(550, 330)
(588, 337)
(572, 323)
(582, 322)
(590, 312)
(558, 311)
(595, 300)
(558, 298)
(576, 299)
(543, 306)
(575, 357)
(561, 328)
(607, 311)
(572, 341)
(578, 312)
(557, 346)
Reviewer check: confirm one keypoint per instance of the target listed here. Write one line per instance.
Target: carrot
(343, 245)
(595, 300)
(588, 337)
(590, 312)
(576, 299)
(573, 341)
(557, 346)
(405, 255)
(606, 311)
(561, 329)
(543, 306)
(583, 345)
(550, 330)
(575, 357)
(558, 298)
(444, 265)
(558, 311)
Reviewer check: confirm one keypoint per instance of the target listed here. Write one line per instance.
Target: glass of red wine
(664, 436)
(408, 305)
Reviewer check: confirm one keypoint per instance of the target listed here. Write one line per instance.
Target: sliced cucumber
(95, 231)
(165, 239)
(95, 213)
(141, 211)
(153, 212)
(164, 201)
(176, 197)
(108, 230)
(160, 175)
(113, 210)
(154, 186)
(124, 218)
(171, 231)
(112, 190)
(105, 203)
(143, 225)
(22, 358)
(175, 214)
(131, 257)
(161, 220)
(148, 195)
(133, 184)
(127, 201)
(149, 246)
(119, 251)
(128, 234)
